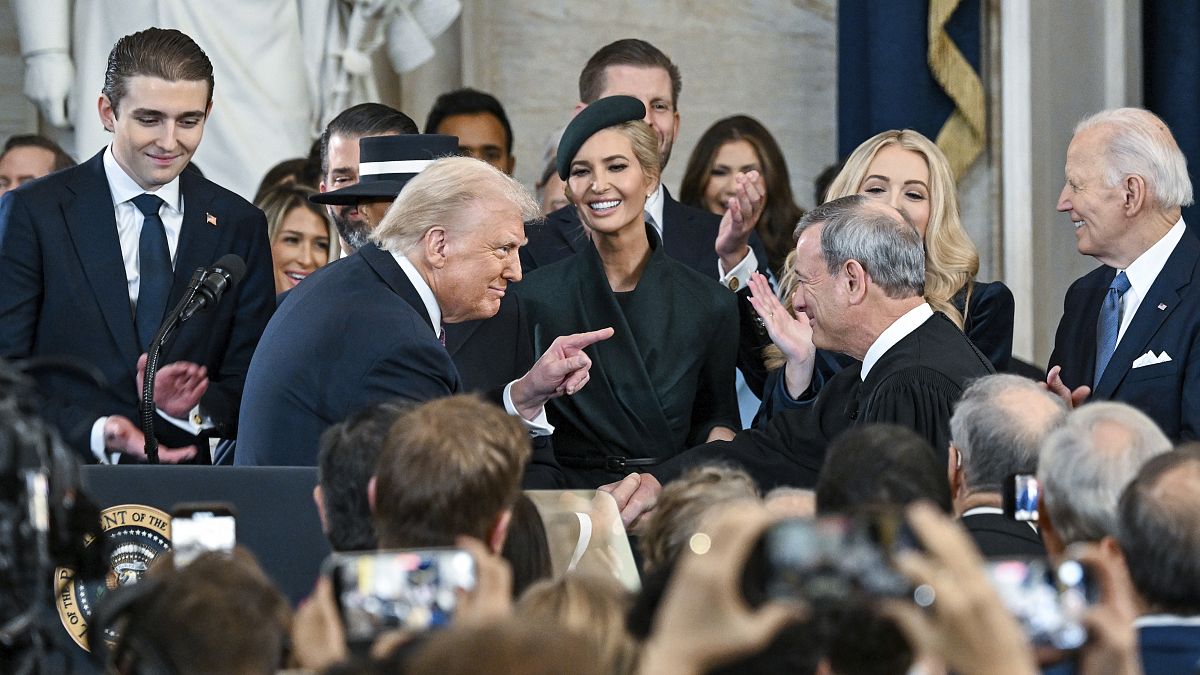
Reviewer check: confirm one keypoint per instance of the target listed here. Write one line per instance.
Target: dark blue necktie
(154, 269)
(1108, 325)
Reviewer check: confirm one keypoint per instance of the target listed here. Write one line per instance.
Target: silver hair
(891, 252)
(995, 432)
(1083, 467)
(441, 194)
(1140, 144)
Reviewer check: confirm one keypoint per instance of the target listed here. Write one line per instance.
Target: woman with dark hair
(664, 381)
(740, 144)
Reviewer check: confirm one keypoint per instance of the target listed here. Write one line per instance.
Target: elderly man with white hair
(1130, 329)
(1085, 464)
(370, 328)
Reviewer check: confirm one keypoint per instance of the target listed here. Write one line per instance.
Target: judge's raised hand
(744, 210)
(636, 495)
(125, 437)
(1072, 398)
(563, 369)
(792, 334)
(178, 386)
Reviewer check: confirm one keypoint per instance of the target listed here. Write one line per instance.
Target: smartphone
(1021, 495)
(378, 591)
(1049, 600)
(200, 527)
(836, 559)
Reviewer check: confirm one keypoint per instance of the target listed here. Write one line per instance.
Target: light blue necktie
(1108, 324)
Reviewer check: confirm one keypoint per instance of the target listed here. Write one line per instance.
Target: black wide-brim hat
(599, 114)
(387, 163)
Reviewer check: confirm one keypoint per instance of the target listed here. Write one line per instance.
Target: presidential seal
(138, 534)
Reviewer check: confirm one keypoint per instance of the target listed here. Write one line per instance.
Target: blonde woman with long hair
(908, 171)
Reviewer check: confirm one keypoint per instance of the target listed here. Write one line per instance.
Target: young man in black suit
(93, 257)
(996, 431)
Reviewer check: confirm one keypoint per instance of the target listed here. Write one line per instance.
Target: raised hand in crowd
(562, 369)
(1112, 647)
(178, 386)
(793, 335)
(968, 625)
(744, 210)
(704, 620)
(636, 495)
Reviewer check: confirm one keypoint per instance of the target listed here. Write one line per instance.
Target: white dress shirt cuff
(99, 451)
(738, 277)
(538, 426)
(194, 424)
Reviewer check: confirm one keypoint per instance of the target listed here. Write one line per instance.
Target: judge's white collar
(423, 290)
(900, 328)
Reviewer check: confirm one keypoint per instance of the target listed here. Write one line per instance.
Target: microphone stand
(168, 327)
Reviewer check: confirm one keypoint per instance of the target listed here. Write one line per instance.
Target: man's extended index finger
(581, 340)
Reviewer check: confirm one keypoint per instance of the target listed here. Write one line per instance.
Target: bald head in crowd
(1084, 466)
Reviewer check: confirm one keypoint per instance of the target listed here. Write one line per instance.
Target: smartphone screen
(197, 528)
(1049, 601)
(1021, 495)
(414, 589)
(834, 559)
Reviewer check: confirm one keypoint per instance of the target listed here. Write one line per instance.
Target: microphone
(216, 280)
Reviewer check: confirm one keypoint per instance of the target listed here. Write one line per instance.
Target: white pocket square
(1149, 359)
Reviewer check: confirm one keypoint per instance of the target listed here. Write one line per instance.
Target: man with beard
(339, 160)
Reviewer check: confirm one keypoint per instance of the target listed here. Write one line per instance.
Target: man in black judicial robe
(862, 276)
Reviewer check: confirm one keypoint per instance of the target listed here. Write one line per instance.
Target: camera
(836, 559)
(200, 527)
(1048, 600)
(409, 589)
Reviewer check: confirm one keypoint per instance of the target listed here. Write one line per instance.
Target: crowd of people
(435, 340)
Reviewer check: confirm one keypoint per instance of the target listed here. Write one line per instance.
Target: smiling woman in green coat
(665, 381)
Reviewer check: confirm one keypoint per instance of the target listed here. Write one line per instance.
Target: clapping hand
(741, 216)
(178, 386)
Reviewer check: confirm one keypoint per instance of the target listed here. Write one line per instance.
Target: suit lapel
(569, 226)
(198, 238)
(1164, 294)
(621, 358)
(92, 224)
(389, 271)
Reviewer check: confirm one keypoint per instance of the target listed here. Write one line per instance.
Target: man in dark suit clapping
(92, 257)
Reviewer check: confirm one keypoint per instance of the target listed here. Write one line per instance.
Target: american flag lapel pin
(1162, 306)
(212, 220)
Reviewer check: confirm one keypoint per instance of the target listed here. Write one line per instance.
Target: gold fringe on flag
(962, 136)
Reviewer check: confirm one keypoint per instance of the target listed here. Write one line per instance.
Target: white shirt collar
(1149, 620)
(654, 206)
(894, 333)
(423, 290)
(1145, 268)
(983, 510)
(123, 187)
